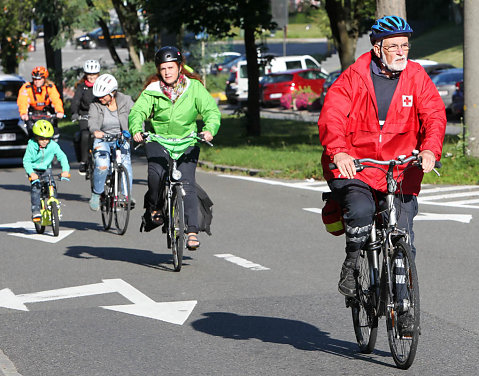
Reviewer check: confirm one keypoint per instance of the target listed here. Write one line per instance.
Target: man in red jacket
(381, 107)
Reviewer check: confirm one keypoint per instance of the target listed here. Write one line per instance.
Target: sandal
(192, 238)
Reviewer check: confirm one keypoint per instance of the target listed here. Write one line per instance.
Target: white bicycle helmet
(91, 66)
(104, 85)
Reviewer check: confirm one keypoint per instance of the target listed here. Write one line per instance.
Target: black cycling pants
(158, 158)
(84, 140)
(358, 201)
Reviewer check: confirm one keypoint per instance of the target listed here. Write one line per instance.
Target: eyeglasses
(395, 47)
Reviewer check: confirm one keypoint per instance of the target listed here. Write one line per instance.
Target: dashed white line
(241, 262)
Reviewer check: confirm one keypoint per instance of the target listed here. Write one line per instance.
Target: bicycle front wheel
(122, 204)
(365, 321)
(177, 228)
(106, 204)
(55, 219)
(403, 314)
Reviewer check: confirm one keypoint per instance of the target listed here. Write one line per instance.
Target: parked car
(283, 63)
(224, 61)
(13, 131)
(327, 84)
(433, 67)
(95, 38)
(275, 85)
(237, 84)
(445, 82)
(457, 106)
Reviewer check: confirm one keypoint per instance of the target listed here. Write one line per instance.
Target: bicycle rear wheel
(55, 219)
(122, 204)
(107, 204)
(365, 321)
(177, 228)
(404, 300)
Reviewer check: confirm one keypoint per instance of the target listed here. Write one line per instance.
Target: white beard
(395, 66)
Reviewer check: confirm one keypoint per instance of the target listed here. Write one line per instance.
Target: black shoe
(347, 282)
(405, 324)
(82, 168)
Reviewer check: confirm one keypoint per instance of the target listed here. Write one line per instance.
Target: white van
(283, 63)
(237, 85)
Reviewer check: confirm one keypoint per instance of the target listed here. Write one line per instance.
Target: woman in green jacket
(172, 99)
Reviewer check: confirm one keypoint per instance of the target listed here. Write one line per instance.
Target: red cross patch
(407, 100)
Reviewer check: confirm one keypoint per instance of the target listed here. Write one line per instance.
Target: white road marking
(242, 262)
(26, 229)
(314, 210)
(142, 305)
(463, 218)
(438, 200)
(311, 186)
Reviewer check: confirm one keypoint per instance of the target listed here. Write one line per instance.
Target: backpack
(332, 215)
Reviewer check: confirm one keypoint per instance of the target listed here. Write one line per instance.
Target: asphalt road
(259, 297)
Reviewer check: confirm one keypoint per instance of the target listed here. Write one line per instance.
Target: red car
(275, 85)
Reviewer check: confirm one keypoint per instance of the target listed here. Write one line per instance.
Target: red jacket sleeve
(334, 115)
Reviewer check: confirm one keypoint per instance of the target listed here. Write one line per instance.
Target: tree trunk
(253, 115)
(391, 8)
(130, 24)
(471, 74)
(345, 29)
(106, 34)
(53, 56)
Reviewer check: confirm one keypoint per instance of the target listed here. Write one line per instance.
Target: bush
(301, 99)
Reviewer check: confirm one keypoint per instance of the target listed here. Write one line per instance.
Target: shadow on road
(132, 255)
(298, 334)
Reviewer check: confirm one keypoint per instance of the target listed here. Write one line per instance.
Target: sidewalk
(279, 113)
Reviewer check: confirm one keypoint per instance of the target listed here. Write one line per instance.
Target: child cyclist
(38, 158)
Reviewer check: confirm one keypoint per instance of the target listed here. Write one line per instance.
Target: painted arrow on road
(27, 230)
(463, 218)
(172, 312)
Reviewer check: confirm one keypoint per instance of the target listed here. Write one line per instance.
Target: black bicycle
(115, 200)
(172, 198)
(50, 205)
(389, 288)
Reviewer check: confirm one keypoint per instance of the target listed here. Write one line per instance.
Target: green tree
(217, 19)
(346, 19)
(15, 23)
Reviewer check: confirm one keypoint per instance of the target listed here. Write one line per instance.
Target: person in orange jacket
(39, 95)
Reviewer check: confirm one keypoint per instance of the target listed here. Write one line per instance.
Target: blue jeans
(101, 158)
(37, 189)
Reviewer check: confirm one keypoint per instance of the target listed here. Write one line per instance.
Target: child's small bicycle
(50, 206)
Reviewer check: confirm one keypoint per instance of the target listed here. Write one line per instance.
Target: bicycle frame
(48, 194)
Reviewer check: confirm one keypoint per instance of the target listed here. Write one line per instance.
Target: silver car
(445, 82)
(13, 132)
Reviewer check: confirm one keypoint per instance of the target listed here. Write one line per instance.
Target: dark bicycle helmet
(168, 53)
(388, 26)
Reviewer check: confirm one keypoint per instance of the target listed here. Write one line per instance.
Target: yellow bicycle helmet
(43, 128)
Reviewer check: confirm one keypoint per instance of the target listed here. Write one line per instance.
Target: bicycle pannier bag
(332, 215)
(205, 210)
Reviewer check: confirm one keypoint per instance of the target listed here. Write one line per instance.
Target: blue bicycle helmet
(388, 26)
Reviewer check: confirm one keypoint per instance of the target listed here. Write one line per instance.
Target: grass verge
(291, 150)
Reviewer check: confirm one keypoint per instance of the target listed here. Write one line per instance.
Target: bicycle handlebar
(358, 163)
(147, 136)
(58, 177)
